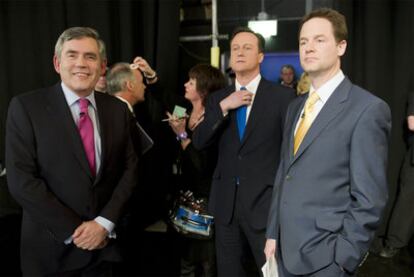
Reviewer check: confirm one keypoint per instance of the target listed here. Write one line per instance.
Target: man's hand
(90, 235)
(103, 244)
(270, 248)
(235, 100)
(410, 122)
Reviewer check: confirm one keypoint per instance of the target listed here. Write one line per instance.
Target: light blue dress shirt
(72, 101)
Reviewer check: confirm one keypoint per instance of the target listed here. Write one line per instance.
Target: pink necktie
(85, 127)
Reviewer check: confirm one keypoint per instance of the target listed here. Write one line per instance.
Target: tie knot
(83, 105)
(243, 88)
(313, 98)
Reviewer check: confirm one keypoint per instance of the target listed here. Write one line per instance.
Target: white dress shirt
(252, 87)
(324, 92)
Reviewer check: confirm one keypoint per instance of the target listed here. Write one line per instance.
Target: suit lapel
(104, 130)
(294, 114)
(330, 110)
(233, 116)
(255, 112)
(62, 115)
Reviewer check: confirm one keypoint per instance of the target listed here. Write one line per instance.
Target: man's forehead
(316, 27)
(240, 38)
(138, 75)
(83, 40)
(242, 42)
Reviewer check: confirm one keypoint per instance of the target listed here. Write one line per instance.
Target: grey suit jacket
(328, 199)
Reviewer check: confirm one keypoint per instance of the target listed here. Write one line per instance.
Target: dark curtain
(379, 58)
(29, 30)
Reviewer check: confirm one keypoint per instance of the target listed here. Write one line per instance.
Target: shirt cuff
(108, 225)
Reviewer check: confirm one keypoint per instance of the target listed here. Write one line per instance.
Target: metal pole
(215, 50)
(309, 6)
(214, 26)
(202, 38)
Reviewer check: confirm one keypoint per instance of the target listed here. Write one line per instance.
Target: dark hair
(209, 79)
(288, 66)
(260, 38)
(337, 20)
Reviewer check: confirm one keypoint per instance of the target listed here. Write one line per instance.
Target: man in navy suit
(70, 164)
(331, 188)
(246, 121)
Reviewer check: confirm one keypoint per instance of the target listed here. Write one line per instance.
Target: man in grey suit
(330, 188)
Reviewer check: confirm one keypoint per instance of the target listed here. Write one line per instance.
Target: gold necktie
(306, 121)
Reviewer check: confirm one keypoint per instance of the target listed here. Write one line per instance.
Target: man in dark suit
(70, 164)
(246, 119)
(401, 222)
(126, 82)
(331, 188)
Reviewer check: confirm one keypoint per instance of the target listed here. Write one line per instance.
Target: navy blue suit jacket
(253, 160)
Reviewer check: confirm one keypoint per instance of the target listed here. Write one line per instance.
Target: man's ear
(129, 85)
(261, 57)
(56, 63)
(341, 48)
(103, 66)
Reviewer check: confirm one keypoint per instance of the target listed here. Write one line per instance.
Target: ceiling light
(266, 28)
(263, 25)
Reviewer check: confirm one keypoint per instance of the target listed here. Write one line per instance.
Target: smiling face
(245, 57)
(319, 51)
(80, 65)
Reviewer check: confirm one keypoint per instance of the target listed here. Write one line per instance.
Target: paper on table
(269, 269)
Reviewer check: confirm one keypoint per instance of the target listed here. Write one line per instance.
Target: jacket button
(240, 157)
(288, 177)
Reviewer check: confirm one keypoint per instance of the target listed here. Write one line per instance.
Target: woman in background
(303, 84)
(198, 256)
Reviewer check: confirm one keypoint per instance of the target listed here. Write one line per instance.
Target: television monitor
(273, 62)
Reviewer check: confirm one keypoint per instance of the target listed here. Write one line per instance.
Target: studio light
(266, 28)
(264, 25)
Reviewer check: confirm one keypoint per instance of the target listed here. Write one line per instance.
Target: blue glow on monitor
(272, 62)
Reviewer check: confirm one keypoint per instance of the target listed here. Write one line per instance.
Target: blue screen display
(272, 63)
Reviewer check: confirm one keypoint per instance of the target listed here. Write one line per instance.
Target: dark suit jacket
(48, 174)
(328, 199)
(253, 160)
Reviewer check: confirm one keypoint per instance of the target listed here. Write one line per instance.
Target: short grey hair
(78, 33)
(117, 77)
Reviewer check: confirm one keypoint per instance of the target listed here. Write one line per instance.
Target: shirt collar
(326, 90)
(126, 102)
(252, 86)
(72, 97)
